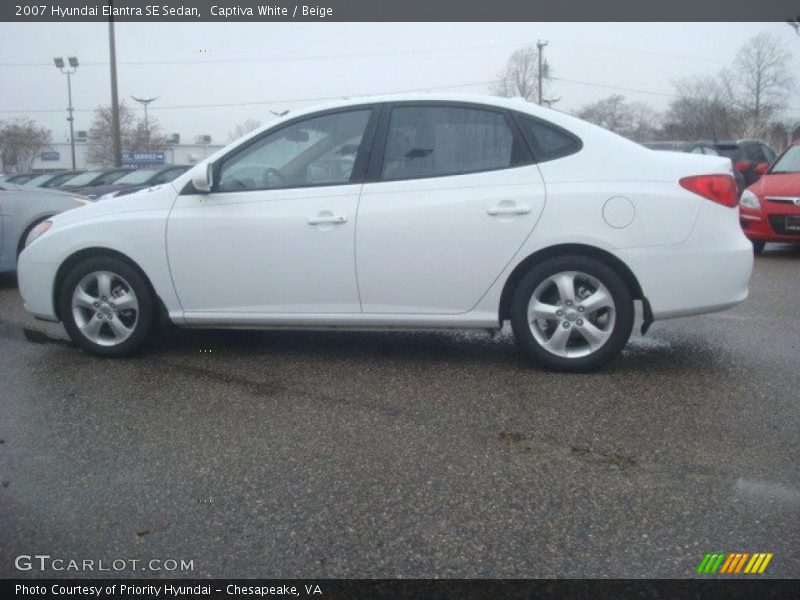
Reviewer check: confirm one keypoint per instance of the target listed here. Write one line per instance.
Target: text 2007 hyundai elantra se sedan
(405, 212)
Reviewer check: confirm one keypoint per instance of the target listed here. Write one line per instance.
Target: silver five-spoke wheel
(105, 308)
(571, 314)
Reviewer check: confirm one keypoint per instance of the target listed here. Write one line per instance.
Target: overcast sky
(284, 63)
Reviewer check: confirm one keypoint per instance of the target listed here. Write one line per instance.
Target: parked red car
(770, 208)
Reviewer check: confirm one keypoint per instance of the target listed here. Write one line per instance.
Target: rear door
(451, 196)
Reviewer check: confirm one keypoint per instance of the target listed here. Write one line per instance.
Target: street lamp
(73, 62)
(145, 102)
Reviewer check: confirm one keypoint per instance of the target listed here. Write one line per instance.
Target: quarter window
(431, 141)
(546, 141)
(317, 151)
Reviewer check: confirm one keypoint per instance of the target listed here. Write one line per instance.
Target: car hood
(99, 190)
(784, 184)
(157, 198)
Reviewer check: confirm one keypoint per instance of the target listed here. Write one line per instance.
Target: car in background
(94, 177)
(135, 181)
(19, 178)
(22, 209)
(54, 179)
(403, 212)
(751, 158)
(698, 147)
(769, 210)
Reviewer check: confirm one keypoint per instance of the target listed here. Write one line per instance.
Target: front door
(276, 234)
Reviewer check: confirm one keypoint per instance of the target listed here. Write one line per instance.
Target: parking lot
(317, 454)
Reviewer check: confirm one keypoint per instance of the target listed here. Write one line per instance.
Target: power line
(213, 61)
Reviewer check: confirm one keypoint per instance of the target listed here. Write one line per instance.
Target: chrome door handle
(508, 210)
(327, 219)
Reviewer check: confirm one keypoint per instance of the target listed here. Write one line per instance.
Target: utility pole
(144, 102)
(115, 135)
(540, 46)
(73, 62)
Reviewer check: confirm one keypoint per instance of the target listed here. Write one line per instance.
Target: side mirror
(761, 168)
(203, 181)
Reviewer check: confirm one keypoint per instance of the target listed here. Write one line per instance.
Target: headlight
(37, 231)
(109, 195)
(750, 200)
(80, 201)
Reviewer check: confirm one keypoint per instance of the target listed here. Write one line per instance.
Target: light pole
(144, 102)
(73, 62)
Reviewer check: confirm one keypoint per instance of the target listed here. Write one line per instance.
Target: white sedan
(405, 212)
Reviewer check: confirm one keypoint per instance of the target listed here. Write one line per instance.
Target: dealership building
(57, 156)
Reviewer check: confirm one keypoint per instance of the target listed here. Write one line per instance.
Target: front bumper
(759, 225)
(36, 285)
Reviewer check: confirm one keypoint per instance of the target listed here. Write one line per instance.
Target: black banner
(399, 10)
(417, 589)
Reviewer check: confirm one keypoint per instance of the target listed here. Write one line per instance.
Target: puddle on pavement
(29, 334)
(759, 491)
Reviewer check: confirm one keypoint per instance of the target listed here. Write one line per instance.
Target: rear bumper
(708, 272)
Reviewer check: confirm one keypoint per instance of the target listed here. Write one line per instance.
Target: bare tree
(521, 76)
(635, 120)
(611, 113)
(20, 141)
(762, 81)
(100, 146)
(243, 129)
(148, 137)
(703, 109)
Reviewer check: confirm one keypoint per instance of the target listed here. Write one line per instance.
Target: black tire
(619, 332)
(146, 318)
(758, 246)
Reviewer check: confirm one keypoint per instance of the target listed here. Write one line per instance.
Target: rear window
(547, 142)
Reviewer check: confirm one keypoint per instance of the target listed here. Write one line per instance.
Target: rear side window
(431, 141)
(547, 142)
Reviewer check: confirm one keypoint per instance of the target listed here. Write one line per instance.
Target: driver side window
(317, 151)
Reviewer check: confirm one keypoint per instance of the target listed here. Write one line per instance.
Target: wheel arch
(572, 249)
(95, 252)
(28, 229)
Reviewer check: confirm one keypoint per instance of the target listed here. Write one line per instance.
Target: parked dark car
(95, 177)
(47, 180)
(698, 147)
(751, 158)
(19, 178)
(135, 181)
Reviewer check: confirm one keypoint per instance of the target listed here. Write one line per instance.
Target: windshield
(137, 177)
(40, 179)
(82, 179)
(789, 162)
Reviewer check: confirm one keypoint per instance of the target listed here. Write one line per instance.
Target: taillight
(719, 188)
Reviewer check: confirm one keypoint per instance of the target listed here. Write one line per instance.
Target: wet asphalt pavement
(436, 454)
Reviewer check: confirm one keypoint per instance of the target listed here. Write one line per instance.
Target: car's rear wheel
(572, 313)
(107, 307)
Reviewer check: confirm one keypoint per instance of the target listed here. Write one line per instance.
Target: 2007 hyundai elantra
(405, 212)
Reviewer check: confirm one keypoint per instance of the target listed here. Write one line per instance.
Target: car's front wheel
(572, 313)
(107, 307)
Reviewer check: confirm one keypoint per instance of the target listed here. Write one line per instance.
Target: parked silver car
(22, 209)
